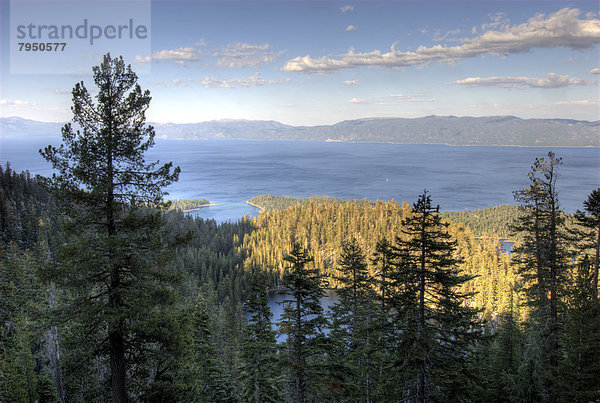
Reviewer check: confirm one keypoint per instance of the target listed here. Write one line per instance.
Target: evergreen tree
(352, 325)
(209, 382)
(22, 365)
(261, 381)
(303, 323)
(591, 231)
(383, 259)
(580, 366)
(505, 359)
(114, 262)
(542, 259)
(436, 325)
(385, 331)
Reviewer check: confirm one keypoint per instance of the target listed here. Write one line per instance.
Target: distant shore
(254, 205)
(198, 207)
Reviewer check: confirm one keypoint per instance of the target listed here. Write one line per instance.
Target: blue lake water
(275, 304)
(229, 172)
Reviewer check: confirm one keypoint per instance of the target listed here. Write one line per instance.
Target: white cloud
(142, 59)
(579, 102)
(15, 103)
(350, 28)
(181, 56)
(351, 82)
(394, 99)
(498, 21)
(440, 38)
(564, 28)
(211, 82)
(31, 110)
(182, 83)
(412, 97)
(236, 55)
(550, 80)
(346, 9)
(61, 92)
(254, 80)
(233, 55)
(595, 71)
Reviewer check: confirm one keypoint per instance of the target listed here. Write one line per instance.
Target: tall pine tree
(115, 261)
(436, 325)
(303, 323)
(542, 258)
(589, 219)
(261, 381)
(352, 325)
(580, 364)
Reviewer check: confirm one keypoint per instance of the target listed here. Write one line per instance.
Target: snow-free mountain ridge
(452, 130)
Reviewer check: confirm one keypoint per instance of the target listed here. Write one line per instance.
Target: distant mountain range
(492, 130)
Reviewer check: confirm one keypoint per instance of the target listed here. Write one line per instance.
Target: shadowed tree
(114, 261)
(436, 325)
(589, 219)
(261, 382)
(542, 258)
(353, 328)
(303, 322)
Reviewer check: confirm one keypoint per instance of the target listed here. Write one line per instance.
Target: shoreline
(375, 142)
(198, 207)
(255, 205)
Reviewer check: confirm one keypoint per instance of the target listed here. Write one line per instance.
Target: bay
(229, 172)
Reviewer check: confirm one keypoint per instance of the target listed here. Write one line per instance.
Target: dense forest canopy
(109, 294)
(219, 264)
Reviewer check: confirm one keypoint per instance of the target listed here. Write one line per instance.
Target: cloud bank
(238, 55)
(233, 55)
(254, 80)
(564, 28)
(550, 80)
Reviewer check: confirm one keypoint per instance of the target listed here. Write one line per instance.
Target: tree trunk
(117, 364)
(116, 326)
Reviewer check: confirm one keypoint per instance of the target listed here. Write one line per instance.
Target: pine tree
(436, 325)
(261, 381)
(542, 259)
(303, 323)
(114, 262)
(352, 325)
(580, 364)
(591, 231)
(505, 359)
(208, 380)
(385, 331)
(383, 259)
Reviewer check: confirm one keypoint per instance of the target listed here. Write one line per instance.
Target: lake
(275, 304)
(229, 172)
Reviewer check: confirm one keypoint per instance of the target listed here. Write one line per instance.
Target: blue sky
(310, 63)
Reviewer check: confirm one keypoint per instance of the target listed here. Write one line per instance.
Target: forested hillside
(493, 221)
(189, 204)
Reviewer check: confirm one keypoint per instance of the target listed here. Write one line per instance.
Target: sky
(313, 63)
